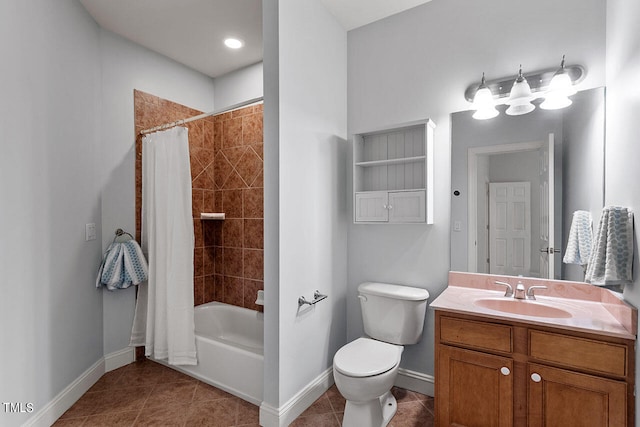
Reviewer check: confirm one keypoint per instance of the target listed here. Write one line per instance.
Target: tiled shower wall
(226, 154)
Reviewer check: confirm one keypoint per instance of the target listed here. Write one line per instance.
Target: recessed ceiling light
(233, 43)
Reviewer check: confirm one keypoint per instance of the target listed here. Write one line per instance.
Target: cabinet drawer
(580, 353)
(480, 335)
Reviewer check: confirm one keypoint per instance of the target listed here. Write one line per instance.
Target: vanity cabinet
(501, 373)
(393, 174)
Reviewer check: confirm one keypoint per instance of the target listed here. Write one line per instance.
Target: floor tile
(214, 413)
(171, 414)
(121, 419)
(150, 394)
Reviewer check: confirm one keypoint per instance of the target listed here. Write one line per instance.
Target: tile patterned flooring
(146, 393)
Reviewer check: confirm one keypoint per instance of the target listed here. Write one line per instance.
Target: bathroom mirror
(516, 181)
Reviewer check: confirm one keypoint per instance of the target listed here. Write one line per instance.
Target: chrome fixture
(509, 291)
(519, 291)
(554, 85)
(483, 102)
(317, 297)
(559, 91)
(531, 289)
(520, 96)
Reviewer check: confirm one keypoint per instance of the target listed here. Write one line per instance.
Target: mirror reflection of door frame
(472, 184)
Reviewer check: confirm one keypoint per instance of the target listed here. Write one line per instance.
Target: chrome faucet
(519, 291)
(509, 291)
(530, 294)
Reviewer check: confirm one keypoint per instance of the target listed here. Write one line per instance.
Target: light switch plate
(90, 232)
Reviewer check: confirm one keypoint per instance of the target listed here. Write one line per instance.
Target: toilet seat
(366, 357)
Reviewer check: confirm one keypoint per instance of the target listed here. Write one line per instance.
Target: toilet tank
(393, 313)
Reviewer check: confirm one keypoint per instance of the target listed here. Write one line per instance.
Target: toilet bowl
(366, 369)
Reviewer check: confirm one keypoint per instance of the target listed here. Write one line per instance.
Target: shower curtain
(163, 320)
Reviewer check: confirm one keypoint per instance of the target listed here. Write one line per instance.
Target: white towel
(580, 239)
(123, 265)
(612, 253)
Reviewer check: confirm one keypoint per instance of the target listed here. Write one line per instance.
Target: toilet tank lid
(393, 291)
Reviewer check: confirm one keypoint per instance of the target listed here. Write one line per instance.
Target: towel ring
(121, 232)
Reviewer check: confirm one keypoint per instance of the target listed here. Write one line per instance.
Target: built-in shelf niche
(216, 216)
(393, 174)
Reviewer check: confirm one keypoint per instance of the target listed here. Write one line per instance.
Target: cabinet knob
(390, 206)
(505, 371)
(385, 206)
(536, 377)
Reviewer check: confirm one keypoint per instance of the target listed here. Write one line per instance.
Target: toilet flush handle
(363, 298)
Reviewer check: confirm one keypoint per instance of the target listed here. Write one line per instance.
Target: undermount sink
(522, 307)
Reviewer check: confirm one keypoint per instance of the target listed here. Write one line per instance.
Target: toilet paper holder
(317, 297)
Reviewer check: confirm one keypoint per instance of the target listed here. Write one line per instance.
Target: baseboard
(48, 415)
(64, 400)
(284, 415)
(118, 359)
(415, 381)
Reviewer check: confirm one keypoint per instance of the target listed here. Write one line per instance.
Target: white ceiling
(191, 31)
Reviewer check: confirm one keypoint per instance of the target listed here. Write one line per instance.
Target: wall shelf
(401, 160)
(212, 215)
(393, 174)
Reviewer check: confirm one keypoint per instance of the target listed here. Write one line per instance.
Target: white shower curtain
(163, 320)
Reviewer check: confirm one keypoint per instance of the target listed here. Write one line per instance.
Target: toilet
(365, 369)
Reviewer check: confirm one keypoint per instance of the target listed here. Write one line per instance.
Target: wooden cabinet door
(475, 389)
(558, 397)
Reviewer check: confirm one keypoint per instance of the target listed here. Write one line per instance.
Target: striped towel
(580, 239)
(123, 265)
(611, 258)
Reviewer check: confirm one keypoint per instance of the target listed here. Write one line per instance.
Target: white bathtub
(229, 346)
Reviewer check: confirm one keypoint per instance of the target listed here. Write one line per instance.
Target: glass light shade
(483, 104)
(520, 109)
(555, 102)
(561, 84)
(520, 97)
(560, 88)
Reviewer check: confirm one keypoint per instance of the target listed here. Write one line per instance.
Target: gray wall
(50, 310)
(622, 173)
(305, 145)
(417, 64)
(127, 66)
(238, 86)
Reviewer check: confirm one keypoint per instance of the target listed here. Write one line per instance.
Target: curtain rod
(201, 116)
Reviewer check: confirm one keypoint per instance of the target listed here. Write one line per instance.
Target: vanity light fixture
(559, 91)
(520, 93)
(520, 97)
(233, 43)
(483, 102)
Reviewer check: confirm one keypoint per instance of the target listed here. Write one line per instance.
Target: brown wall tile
(226, 153)
(253, 264)
(232, 233)
(253, 233)
(233, 262)
(253, 200)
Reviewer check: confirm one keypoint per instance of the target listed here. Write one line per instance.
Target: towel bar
(317, 297)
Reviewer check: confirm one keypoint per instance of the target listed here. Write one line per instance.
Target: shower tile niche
(226, 154)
